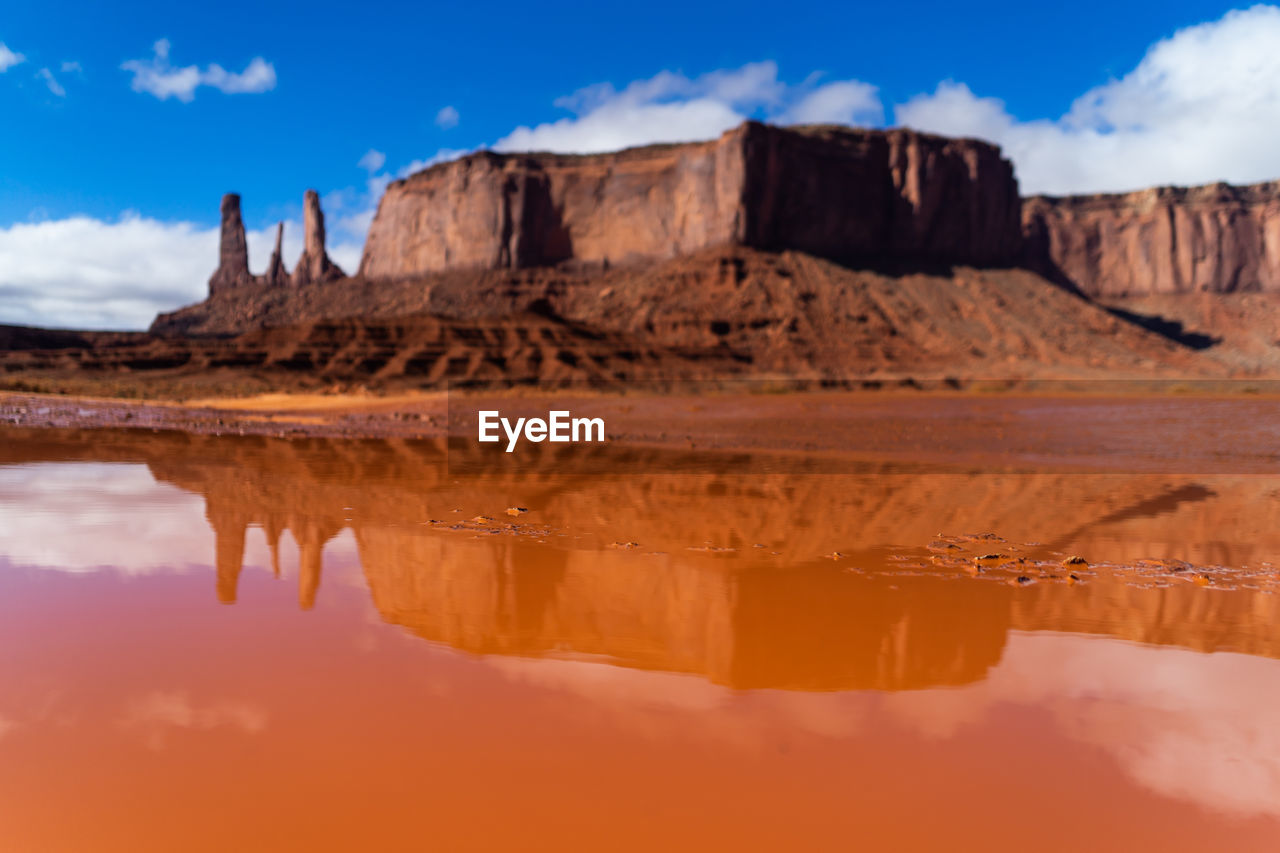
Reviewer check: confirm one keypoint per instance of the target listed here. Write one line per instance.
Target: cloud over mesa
(672, 107)
(1203, 105)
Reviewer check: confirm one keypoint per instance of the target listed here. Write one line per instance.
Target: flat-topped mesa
(233, 251)
(314, 266)
(841, 193)
(1216, 238)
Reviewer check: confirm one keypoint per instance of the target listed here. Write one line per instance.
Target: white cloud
(842, 102)
(89, 273)
(372, 161)
(1203, 105)
(156, 76)
(671, 107)
(8, 58)
(444, 155)
(71, 67)
(52, 82)
(447, 118)
(350, 211)
(258, 76)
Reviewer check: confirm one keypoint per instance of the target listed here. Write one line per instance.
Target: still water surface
(243, 644)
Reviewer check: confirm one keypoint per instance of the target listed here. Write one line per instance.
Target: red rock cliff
(835, 192)
(1216, 238)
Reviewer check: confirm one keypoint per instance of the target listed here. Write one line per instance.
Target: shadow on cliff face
(1174, 330)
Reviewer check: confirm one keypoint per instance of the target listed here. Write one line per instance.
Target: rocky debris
(314, 266)
(847, 194)
(233, 249)
(1217, 238)
(233, 252)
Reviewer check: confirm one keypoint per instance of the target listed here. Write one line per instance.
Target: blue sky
(307, 90)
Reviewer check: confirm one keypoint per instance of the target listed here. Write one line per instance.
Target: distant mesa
(233, 251)
(1216, 238)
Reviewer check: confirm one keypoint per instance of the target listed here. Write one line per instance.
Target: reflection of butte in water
(806, 625)
(810, 626)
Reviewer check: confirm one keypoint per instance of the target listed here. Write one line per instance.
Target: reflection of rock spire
(273, 528)
(229, 554)
(311, 537)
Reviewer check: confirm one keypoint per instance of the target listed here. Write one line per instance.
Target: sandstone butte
(838, 193)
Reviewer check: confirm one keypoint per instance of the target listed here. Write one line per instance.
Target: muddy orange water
(256, 644)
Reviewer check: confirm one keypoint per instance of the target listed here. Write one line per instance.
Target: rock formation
(277, 273)
(314, 265)
(233, 252)
(727, 242)
(839, 193)
(1216, 238)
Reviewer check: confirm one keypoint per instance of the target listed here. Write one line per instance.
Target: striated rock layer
(1216, 238)
(835, 192)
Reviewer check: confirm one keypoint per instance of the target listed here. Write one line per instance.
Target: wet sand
(260, 643)
(1101, 427)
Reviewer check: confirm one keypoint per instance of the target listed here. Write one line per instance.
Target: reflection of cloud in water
(85, 516)
(1186, 725)
(160, 712)
(607, 684)
(637, 700)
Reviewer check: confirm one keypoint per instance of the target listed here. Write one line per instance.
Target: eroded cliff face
(1216, 238)
(835, 192)
(494, 211)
